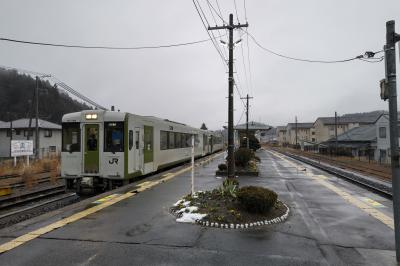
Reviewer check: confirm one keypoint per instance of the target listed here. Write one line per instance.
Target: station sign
(21, 148)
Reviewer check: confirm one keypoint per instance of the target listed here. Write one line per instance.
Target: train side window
(178, 140)
(130, 139)
(137, 140)
(171, 140)
(163, 140)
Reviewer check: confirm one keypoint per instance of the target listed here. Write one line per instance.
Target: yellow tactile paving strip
(103, 203)
(371, 210)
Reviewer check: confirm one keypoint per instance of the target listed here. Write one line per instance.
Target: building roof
(362, 118)
(253, 126)
(300, 125)
(358, 134)
(24, 123)
(281, 128)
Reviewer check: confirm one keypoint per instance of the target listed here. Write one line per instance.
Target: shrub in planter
(243, 156)
(229, 187)
(256, 199)
(222, 167)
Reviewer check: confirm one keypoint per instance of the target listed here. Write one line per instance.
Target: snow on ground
(190, 217)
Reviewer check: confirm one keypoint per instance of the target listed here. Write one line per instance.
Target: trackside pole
(390, 80)
(15, 161)
(27, 160)
(192, 164)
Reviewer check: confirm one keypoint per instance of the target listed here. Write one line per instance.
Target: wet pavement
(322, 229)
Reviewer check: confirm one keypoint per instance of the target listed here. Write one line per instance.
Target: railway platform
(331, 222)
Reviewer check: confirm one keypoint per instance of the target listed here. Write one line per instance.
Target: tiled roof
(254, 126)
(362, 118)
(24, 123)
(300, 125)
(362, 133)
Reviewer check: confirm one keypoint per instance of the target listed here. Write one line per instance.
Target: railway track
(376, 186)
(21, 207)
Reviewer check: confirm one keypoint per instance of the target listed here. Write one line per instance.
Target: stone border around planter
(276, 220)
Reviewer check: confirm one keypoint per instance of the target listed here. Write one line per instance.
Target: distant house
(281, 135)
(267, 136)
(253, 128)
(325, 126)
(49, 136)
(383, 139)
(305, 133)
(358, 141)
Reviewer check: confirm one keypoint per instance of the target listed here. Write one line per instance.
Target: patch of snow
(190, 217)
(218, 177)
(189, 209)
(178, 202)
(186, 203)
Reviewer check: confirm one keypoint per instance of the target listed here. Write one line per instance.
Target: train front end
(92, 154)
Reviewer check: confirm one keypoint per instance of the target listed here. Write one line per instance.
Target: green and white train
(104, 149)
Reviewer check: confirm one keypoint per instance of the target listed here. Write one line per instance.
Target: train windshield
(71, 137)
(114, 136)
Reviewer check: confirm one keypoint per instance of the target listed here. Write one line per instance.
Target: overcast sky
(189, 84)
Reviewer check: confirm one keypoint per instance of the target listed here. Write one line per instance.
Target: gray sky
(189, 84)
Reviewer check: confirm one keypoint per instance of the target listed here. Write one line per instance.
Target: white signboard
(21, 147)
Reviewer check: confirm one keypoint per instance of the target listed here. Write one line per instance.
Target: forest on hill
(17, 98)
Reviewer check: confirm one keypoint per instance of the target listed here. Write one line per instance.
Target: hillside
(16, 94)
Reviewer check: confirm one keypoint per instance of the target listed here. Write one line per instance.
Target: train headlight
(91, 116)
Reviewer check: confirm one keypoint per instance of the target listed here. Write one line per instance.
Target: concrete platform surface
(328, 225)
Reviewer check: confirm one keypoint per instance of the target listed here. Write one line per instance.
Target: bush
(256, 199)
(222, 167)
(243, 156)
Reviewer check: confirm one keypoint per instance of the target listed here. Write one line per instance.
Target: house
(253, 128)
(49, 136)
(281, 135)
(303, 131)
(266, 136)
(383, 139)
(325, 126)
(358, 141)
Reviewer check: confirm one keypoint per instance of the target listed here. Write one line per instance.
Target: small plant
(229, 187)
(222, 167)
(256, 199)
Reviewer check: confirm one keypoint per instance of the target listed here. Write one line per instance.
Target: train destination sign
(21, 148)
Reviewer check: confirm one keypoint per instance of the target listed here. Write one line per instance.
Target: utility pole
(389, 91)
(247, 120)
(295, 123)
(37, 118)
(336, 141)
(231, 144)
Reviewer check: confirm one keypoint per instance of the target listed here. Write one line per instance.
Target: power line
(59, 83)
(102, 47)
(358, 57)
(205, 27)
(237, 16)
(245, 11)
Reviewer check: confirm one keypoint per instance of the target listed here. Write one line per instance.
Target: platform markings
(107, 201)
(345, 195)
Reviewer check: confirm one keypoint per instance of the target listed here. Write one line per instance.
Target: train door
(138, 156)
(148, 151)
(91, 148)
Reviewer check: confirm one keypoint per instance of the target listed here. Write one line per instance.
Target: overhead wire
(358, 57)
(59, 83)
(205, 27)
(102, 47)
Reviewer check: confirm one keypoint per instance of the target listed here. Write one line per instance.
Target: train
(104, 149)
